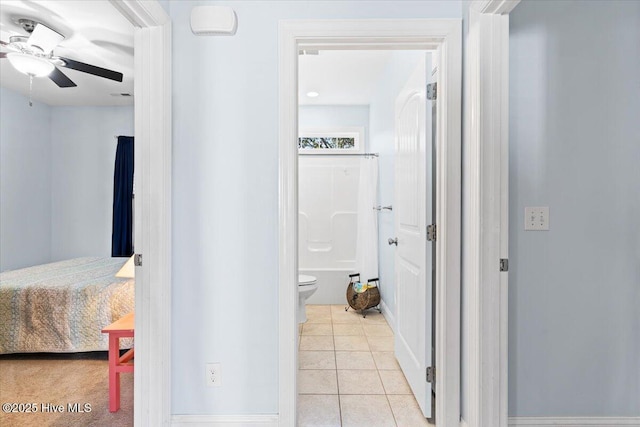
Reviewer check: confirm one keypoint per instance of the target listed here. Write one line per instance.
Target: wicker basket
(361, 301)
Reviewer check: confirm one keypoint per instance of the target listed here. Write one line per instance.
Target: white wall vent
(213, 20)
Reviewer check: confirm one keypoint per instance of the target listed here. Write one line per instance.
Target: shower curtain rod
(339, 154)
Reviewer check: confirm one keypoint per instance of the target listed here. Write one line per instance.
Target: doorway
(442, 35)
(353, 106)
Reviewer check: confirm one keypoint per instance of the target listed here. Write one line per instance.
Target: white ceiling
(95, 33)
(341, 77)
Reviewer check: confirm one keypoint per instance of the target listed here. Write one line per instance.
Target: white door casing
(427, 34)
(413, 262)
(486, 214)
(152, 66)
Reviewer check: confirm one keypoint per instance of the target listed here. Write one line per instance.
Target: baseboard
(224, 420)
(574, 421)
(388, 315)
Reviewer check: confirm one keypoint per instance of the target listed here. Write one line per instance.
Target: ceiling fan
(33, 55)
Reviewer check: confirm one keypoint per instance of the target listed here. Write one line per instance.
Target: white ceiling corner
(95, 33)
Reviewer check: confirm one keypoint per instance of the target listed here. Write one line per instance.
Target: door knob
(393, 241)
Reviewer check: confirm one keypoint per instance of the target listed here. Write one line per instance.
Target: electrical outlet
(213, 375)
(536, 218)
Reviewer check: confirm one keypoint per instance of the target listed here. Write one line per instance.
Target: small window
(330, 141)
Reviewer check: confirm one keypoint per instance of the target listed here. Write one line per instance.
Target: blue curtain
(122, 234)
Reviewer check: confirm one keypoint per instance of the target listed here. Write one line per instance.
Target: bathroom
(337, 173)
(349, 95)
(346, 180)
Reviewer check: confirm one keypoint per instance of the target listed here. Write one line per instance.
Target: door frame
(486, 212)
(152, 77)
(374, 33)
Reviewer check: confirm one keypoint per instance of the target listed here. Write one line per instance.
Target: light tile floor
(348, 375)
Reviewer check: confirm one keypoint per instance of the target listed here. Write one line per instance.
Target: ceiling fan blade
(60, 79)
(92, 69)
(3, 55)
(45, 38)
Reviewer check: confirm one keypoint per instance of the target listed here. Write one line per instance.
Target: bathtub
(332, 285)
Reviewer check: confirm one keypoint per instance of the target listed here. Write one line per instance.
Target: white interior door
(413, 256)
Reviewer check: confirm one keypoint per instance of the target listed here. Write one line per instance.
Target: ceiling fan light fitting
(29, 64)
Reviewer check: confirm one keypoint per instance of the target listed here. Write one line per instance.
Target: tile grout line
(335, 358)
(386, 395)
(395, 421)
(393, 414)
(370, 353)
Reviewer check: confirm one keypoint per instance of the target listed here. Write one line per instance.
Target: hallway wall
(574, 291)
(225, 197)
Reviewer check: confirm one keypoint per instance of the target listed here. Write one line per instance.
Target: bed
(61, 307)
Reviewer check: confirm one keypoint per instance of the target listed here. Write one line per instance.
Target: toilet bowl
(307, 285)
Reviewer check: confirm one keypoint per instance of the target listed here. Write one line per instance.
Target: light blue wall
(382, 135)
(574, 291)
(82, 158)
(225, 198)
(56, 179)
(327, 116)
(25, 182)
(165, 5)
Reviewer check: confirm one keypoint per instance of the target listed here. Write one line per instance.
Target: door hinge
(504, 264)
(431, 374)
(137, 260)
(432, 91)
(431, 233)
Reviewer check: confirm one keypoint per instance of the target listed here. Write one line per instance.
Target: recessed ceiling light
(312, 94)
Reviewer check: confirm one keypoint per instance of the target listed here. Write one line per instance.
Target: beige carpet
(57, 379)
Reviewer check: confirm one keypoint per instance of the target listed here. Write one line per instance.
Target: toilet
(307, 285)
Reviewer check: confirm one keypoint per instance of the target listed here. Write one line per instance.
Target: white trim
(388, 315)
(152, 74)
(288, 225)
(445, 34)
(574, 421)
(494, 7)
(224, 420)
(486, 210)
(448, 211)
(142, 13)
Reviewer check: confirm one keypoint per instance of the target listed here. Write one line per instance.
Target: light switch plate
(536, 218)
